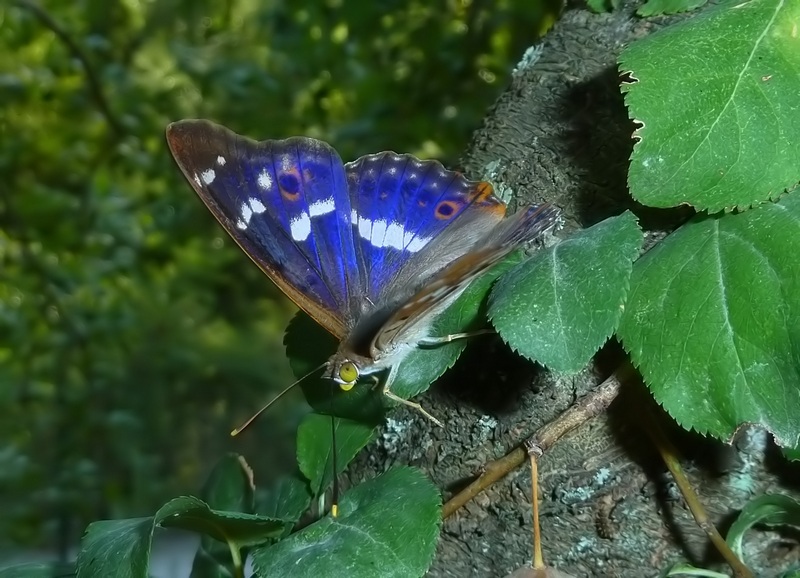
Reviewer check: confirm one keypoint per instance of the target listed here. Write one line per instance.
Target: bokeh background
(133, 333)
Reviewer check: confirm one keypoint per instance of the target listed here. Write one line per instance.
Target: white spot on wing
(321, 207)
(354, 217)
(378, 232)
(246, 213)
(364, 228)
(221, 160)
(208, 176)
(257, 206)
(382, 235)
(394, 236)
(246, 210)
(300, 227)
(417, 244)
(197, 180)
(264, 180)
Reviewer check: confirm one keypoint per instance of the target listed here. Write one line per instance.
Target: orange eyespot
(289, 184)
(446, 209)
(348, 373)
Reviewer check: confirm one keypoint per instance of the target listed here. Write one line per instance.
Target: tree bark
(561, 133)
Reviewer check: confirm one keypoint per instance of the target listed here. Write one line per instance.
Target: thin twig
(669, 454)
(538, 559)
(75, 49)
(588, 407)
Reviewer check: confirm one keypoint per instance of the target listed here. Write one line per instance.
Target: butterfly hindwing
(286, 203)
(401, 208)
(417, 312)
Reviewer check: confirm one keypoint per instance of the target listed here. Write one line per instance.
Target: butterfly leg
(394, 397)
(434, 341)
(388, 393)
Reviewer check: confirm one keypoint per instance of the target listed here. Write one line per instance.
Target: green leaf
(792, 454)
(308, 346)
(229, 487)
(661, 7)
(116, 548)
(713, 321)
(39, 570)
(716, 97)
(287, 499)
(122, 547)
(387, 527)
(242, 529)
(215, 561)
(768, 510)
(314, 447)
(561, 306)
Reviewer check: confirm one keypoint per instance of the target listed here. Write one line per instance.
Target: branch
(588, 407)
(669, 454)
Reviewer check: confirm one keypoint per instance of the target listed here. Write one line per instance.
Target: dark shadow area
(488, 377)
(600, 141)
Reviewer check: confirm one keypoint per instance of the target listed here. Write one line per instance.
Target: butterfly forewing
(286, 203)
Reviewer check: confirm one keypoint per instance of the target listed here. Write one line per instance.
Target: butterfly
(373, 250)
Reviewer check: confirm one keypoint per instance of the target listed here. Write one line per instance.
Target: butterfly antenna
(246, 424)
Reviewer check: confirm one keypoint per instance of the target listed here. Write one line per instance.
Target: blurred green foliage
(133, 334)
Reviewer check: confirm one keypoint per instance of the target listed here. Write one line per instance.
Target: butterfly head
(347, 367)
(343, 370)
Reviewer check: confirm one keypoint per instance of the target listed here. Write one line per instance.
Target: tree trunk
(561, 133)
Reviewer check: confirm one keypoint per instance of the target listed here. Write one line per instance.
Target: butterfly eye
(348, 373)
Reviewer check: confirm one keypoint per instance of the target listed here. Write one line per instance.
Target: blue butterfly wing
(286, 203)
(402, 205)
